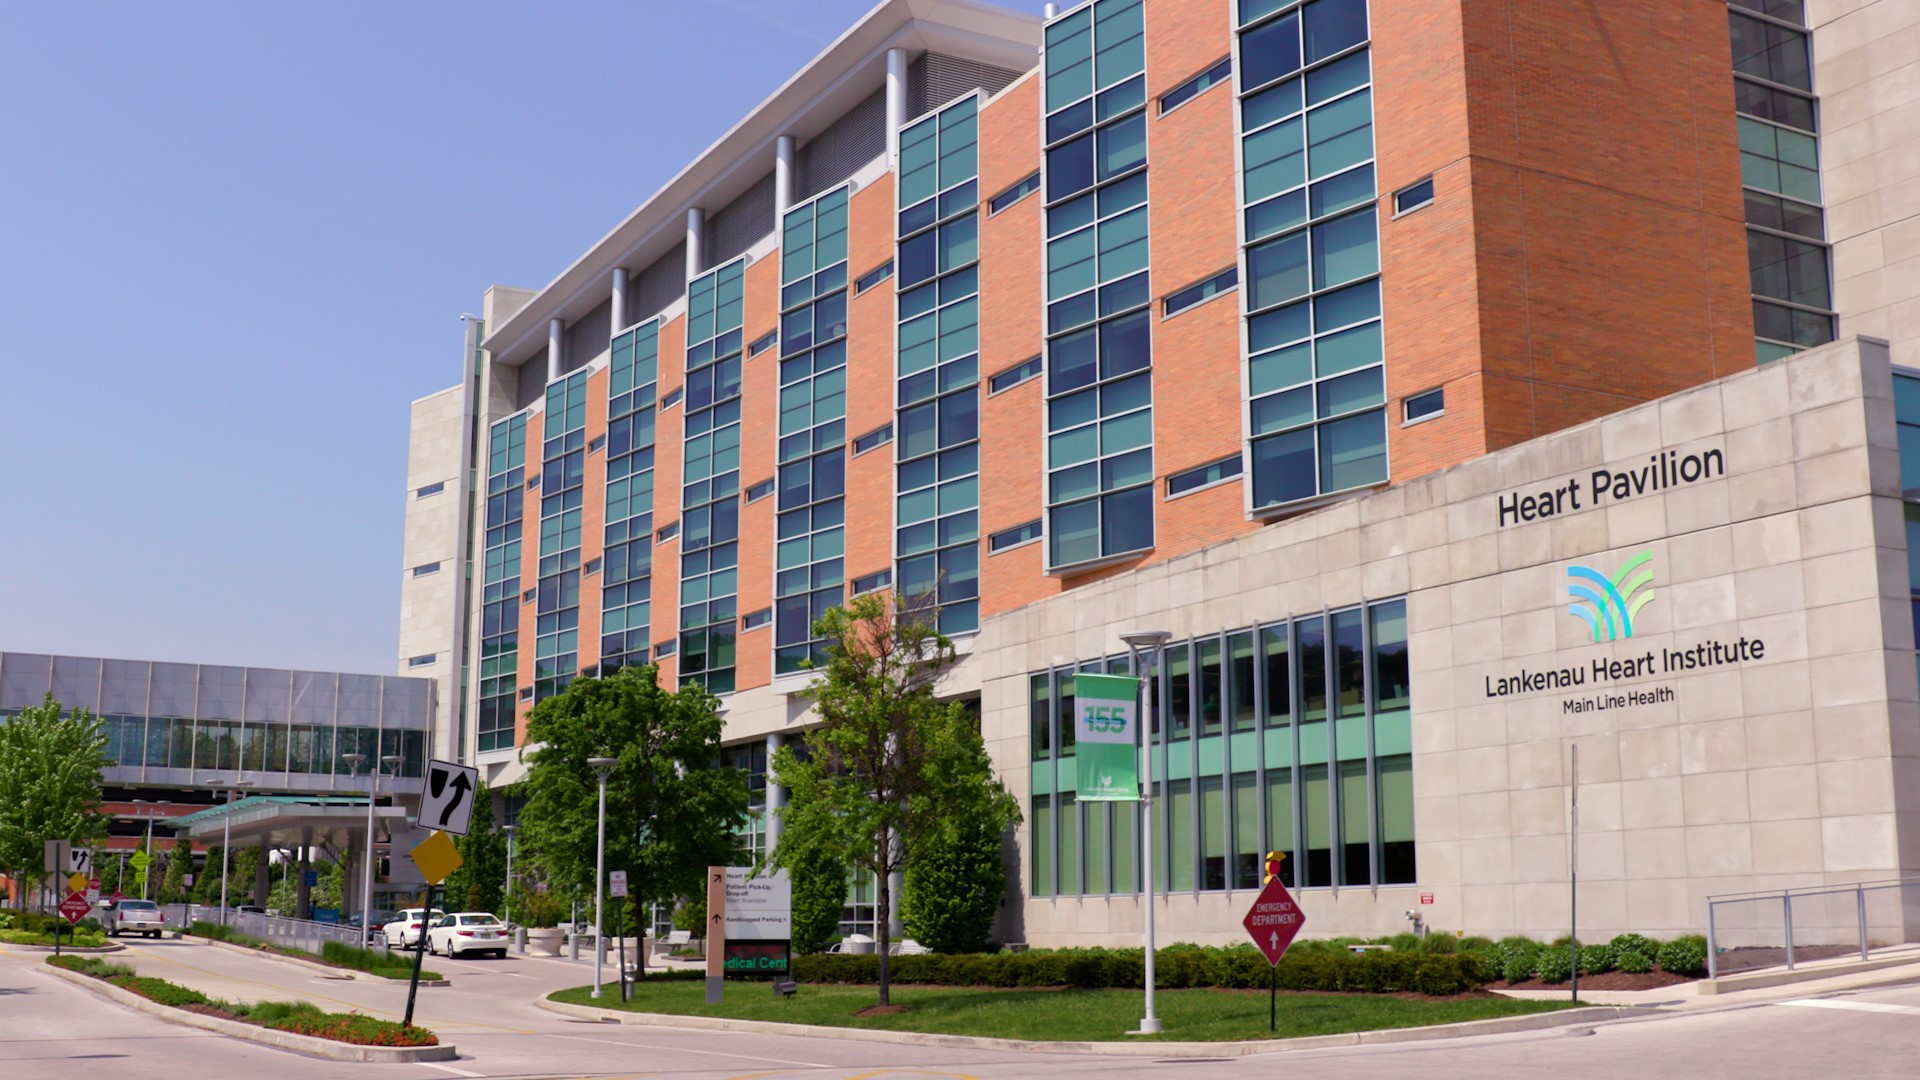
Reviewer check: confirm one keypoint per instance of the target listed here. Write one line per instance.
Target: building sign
(1106, 729)
(756, 957)
(1604, 487)
(1610, 603)
(758, 908)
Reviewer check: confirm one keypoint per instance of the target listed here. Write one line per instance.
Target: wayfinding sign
(1274, 921)
(1106, 726)
(448, 801)
(74, 908)
(758, 908)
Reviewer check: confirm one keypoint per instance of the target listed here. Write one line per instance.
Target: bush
(1176, 966)
(1639, 943)
(954, 887)
(1440, 944)
(819, 891)
(354, 1028)
(270, 1012)
(1684, 955)
(1553, 965)
(1474, 943)
(1596, 959)
(1634, 963)
(1513, 957)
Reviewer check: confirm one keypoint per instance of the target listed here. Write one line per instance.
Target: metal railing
(303, 934)
(1830, 920)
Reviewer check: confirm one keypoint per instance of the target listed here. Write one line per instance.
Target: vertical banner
(1106, 724)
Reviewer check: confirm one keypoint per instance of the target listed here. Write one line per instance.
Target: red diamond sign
(75, 907)
(1274, 921)
(118, 896)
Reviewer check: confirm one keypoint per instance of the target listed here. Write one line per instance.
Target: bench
(677, 939)
(1367, 948)
(909, 948)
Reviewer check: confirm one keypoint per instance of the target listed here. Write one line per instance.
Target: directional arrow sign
(448, 804)
(79, 861)
(1274, 921)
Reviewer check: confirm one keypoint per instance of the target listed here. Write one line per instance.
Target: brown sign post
(716, 933)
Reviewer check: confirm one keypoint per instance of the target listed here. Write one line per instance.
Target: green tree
(819, 896)
(108, 867)
(480, 882)
(50, 764)
(891, 769)
(953, 890)
(173, 887)
(206, 884)
(671, 813)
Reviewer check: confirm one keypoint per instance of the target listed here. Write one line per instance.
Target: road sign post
(617, 890)
(436, 857)
(447, 802)
(73, 909)
(716, 933)
(1272, 924)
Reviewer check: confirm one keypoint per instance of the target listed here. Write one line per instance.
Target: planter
(544, 940)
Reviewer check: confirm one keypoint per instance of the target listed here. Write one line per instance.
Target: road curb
(82, 950)
(338, 972)
(1464, 1030)
(309, 1045)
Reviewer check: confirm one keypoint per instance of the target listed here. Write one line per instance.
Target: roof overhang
(843, 74)
(283, 819)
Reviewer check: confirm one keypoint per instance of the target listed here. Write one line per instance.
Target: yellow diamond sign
(77, 883)
(436, 857)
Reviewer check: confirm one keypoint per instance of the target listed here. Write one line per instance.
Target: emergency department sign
(1106, 729)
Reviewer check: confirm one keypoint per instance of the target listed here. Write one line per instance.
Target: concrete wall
(1867, 71)
(1790, 769)
(432, 535)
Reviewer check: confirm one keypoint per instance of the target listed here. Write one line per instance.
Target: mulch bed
(1612, 980)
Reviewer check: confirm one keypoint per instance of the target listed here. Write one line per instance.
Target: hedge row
(1238, 967)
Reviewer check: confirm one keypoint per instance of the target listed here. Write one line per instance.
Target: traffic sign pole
(419, 953)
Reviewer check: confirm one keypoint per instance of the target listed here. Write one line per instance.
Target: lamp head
(1146, 639)
(602, 765)
(354, 761)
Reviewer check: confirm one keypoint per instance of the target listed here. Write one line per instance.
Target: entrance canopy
(285, 820)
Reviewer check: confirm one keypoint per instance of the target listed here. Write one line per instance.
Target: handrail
(1785, 898)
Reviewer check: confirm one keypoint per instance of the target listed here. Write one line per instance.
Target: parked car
(375, 926)
(468, 931)
(405, 929)
(250, 909)
(135, 917)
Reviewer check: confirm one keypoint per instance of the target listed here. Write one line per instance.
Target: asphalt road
(51, 1029)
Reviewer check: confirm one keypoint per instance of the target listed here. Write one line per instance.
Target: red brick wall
(1012, 423)
(870, 335)
(759, 434)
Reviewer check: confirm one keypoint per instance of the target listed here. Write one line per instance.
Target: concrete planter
(544, 940)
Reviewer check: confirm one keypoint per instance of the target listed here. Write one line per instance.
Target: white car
(468, 931)
(404, 932)
(135, 917)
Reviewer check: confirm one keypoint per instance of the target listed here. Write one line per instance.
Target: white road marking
(1855, 1006)
(449, 1068)
(685, 1050)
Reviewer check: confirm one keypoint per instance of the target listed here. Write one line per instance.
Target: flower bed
(300, 1018)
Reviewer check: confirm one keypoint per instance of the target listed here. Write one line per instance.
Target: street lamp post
(601, 767)
(1152, 641)
(152, 811)
(354, 761)
(226, 842)
(507, 897)
(392, 762)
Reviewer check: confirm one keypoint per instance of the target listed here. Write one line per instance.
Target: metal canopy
(283, 820)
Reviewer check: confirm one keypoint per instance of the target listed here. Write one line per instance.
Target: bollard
(520, 940)
(1860, 901)
(1713, 946)
(1786, 908)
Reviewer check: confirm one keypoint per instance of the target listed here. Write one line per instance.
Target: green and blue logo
(1609, 604)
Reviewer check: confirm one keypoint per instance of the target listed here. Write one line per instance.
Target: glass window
(1095, 814)
(1247, 856)
(1278, 710)
(1396, 819)
(1785, 269)
(1270, 52)
(1180, 829)
(1192, 88)
(1349, 663)
(1280, 822)
(1211, 686)
(1039, 712)
(1318, 831)
(1179, 690)
(1043, 845)
(1356, 859)
(1213, 834)
(1769, 51)
(1069, 845)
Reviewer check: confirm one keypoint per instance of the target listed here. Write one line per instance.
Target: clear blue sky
(235, 240)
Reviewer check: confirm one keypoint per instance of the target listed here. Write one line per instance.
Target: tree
(173, 888)
(819, 896)
(50, 765)
(954, 889)
(480, 882)
(206, 884)
(671, 811)
(891, 769)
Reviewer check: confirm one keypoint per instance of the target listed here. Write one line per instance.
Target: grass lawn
(1188, 1015)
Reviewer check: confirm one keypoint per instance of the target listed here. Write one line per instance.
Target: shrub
(819, 891)
(1177, 966)
(1596, 959)
(1684, 955)
(954, 887)
(1512, 957)
(1474, 943)
(1440, 944)
(354, 1028)
(269, 1012)
(1553, 965)
(1634, 963)
(1639, 943)
(162, 991)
